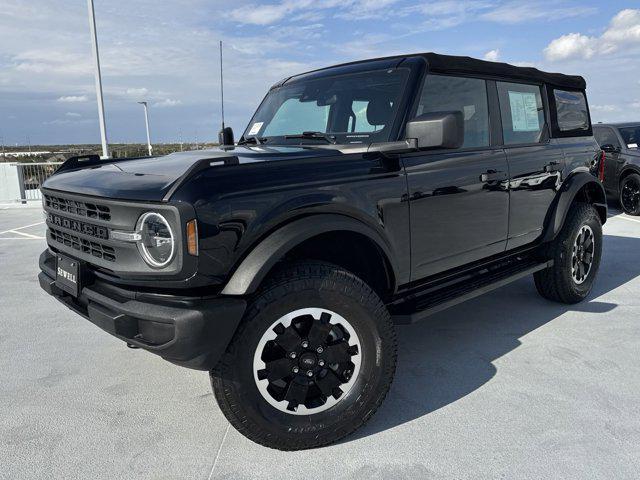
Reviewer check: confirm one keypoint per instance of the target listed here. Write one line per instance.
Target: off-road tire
(633, 180)
(302, 285)
(556, 282)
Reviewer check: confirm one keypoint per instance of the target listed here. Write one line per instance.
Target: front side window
(359, 121)
(442, 93)
(571, 110)
(350, 108)
(522, 112)
(630, 136)
(606, 136)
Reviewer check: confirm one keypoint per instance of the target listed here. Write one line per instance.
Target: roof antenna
(221, 86)
(225, 137)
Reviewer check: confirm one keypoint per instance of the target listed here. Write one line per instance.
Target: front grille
(84, 209)
(86, 246)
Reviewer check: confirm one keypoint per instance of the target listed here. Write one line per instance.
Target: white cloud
(73, 99)
(295, 10)
(492, 55)
(137, 92)
(604, 108)
(520, 12)
(623, 31)
(571, 45)
(266, 14)
(72, 114)
(167, 102)
(624, 27)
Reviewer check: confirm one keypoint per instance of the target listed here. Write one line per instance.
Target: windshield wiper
(314, 135)
(254, 140)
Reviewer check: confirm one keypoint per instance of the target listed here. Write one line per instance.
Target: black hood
(152, 178)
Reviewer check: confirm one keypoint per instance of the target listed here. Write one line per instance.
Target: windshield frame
(415, 66)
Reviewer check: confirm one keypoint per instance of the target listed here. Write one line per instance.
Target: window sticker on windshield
(255, 128)
(524, 112)
(632, 145)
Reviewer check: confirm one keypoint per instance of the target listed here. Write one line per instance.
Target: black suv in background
(621, 163)
(359, 196)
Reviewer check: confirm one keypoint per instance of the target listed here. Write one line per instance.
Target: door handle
(493, 176)
(553, 167)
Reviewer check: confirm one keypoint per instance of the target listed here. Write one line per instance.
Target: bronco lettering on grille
(80, 227)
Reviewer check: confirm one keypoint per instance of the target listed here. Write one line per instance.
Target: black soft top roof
(467, 65)
(453, 64)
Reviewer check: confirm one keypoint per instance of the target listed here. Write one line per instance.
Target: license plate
(68, 275)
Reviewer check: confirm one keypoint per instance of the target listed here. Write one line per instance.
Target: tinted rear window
(571, 111)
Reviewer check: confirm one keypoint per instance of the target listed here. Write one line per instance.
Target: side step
(438, 298)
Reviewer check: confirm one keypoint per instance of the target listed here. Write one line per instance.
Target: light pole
(96, 58)
(146, 122)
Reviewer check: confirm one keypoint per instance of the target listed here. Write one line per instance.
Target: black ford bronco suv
(360, 196)
(620, 168)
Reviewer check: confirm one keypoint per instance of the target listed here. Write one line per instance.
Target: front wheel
(576, 253)
(311, 361)
(630, 194)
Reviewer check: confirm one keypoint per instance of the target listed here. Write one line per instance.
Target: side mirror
(609, 148)
(437, 130)
(225, 137)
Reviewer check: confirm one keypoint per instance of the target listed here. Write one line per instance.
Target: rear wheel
(630, 194)
(576, 253)
(311, 362)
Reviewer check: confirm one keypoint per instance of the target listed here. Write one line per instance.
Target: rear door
(535, 162)
(459, 201)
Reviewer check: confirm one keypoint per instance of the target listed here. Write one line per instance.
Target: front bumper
(189, 331)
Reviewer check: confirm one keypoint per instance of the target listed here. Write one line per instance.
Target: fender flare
(256, 265)
(627, 170)
(565, 197)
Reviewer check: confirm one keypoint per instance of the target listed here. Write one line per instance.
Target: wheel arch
(297, 237)
(579, 187)
(626, 171)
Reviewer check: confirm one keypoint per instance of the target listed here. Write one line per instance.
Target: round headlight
(156, 244)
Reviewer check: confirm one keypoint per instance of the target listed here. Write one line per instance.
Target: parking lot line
(12, 230)
(215, 461)
(28, 235)
(21, 238)
(624, 217)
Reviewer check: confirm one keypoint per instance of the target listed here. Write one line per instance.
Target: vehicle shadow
(451, 354)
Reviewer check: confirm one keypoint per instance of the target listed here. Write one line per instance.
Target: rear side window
(630, 136)
(522, 112)
(571, 111)
(442, 93)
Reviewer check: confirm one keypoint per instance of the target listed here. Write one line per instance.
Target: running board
(449, 295)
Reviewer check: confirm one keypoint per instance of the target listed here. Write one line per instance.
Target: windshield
(631, 136)
(344, 109)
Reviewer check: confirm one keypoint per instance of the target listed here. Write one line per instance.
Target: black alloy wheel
(630, 194)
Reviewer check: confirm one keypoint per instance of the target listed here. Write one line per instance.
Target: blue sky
(166, 53)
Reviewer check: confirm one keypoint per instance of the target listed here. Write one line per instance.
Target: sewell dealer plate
(68, 275)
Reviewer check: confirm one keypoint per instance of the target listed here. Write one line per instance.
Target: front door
(459, 199)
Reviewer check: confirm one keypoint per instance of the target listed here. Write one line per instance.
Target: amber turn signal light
(192, 237)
